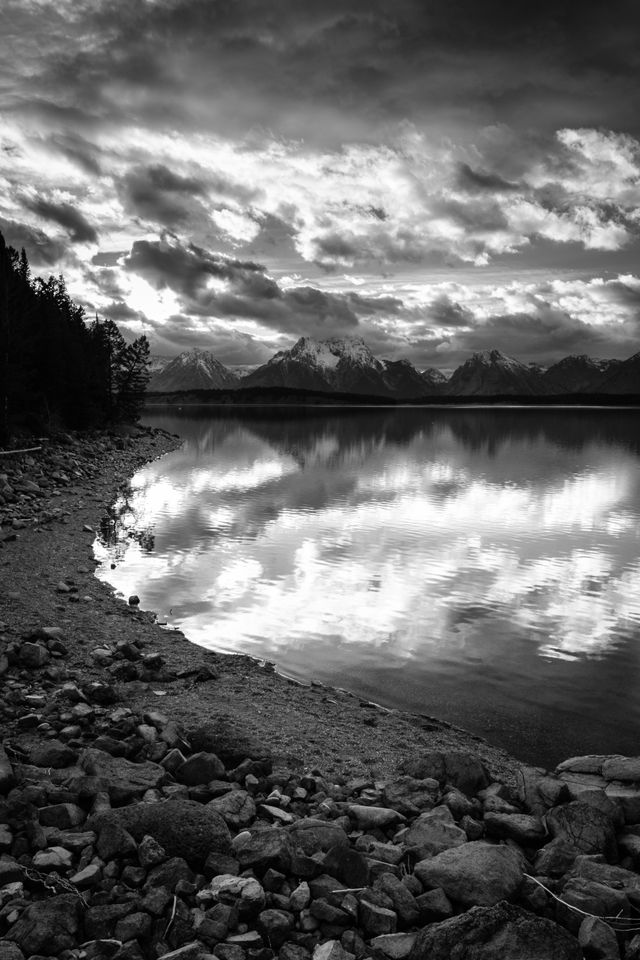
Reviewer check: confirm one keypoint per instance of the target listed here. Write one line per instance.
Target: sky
(435, 176)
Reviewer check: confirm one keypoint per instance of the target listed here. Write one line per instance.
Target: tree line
(58, 369)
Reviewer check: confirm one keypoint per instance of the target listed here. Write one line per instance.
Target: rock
(591, 763)
(626, 769)
(524, 829)
(53, 753)
(47, 927)
(134, 600)
(10, 951)
(61, 815)
(434, 905)
(396, 946)
(330, 950)
(266, 848)
(499, 932)
(460, 769)
(7, 777)
(474, 874)
(410, 796)
(191, 951)
(431, 833)
(404, 903)
(150, 852)
(312, 835)
(347, 865)
(133, 927)
(627, 796)
(87, 878)
(589, 868)
(598, 940)
(200, 768)
(589, 897)
(53, 858)
(577, 784)
(170, 873)
(245, 893)
(300, 897)
(556, 858)
(371, 818)
(115, 841)
(589, 830)
(376, 920)
(236, 808)
(34, 655)
(182, 827)
(125, 780)
(275, 926)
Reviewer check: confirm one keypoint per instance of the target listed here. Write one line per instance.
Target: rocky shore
(157, 800)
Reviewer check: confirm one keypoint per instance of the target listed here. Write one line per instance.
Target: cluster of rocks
(40, 487)
(123, 836)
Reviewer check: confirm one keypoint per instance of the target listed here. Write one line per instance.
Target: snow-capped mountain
(341, 365)
(193, 370)
(491, 373)
(434, 380)
(577, 374)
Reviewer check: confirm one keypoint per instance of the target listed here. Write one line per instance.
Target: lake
(479, 565)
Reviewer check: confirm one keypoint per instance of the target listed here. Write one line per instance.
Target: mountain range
(347, 365)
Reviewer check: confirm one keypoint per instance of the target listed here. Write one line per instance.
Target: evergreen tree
(55, 368)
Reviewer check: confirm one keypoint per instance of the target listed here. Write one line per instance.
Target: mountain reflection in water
(479, 565)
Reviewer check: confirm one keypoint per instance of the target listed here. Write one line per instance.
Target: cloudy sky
(436, 176)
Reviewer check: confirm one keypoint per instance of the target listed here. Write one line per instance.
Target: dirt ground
(307, 726)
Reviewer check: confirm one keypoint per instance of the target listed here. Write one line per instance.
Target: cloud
(41, 249)
(158, 194)
(67, 216)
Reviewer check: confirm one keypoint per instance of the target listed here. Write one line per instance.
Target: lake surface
(479, 565)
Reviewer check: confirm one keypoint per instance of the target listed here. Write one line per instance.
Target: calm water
(478, 565)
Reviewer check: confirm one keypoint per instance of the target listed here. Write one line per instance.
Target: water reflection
(396, 542)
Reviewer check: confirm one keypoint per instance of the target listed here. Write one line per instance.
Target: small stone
(53, 858)
(87, 878)
(396, 946)
(376, 920)
(598, 940)
(150, 852)
(134, 600)
(368, 818)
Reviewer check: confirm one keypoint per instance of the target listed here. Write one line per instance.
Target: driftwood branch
(13, 453)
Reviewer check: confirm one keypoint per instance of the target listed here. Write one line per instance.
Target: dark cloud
(78, 149)
(184, 268)
(66, 216)
(157, 193)
(41, 249)
(479, 181)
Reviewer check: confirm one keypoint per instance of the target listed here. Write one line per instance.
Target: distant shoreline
(288, 396)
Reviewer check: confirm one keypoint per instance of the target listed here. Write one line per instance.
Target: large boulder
(432, 832)
(474, 874)
(312, 835)
(47, 927)
(584, 826)
(183, 828)
(460, 769)
(125, 780)
(500, 932)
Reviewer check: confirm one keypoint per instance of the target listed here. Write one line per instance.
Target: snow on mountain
(338, 364)
(577, 374)
(492, 373)
(193, 370)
